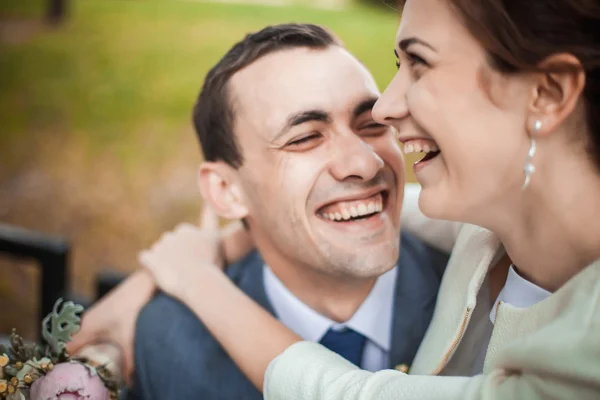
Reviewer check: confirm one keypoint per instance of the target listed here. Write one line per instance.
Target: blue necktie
(347, 343)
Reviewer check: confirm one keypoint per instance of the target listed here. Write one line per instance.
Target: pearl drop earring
(529, 168)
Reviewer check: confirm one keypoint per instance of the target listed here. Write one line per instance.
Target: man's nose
(391, 106)
(355, 159)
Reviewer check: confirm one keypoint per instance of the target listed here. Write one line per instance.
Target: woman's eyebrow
(405, 43)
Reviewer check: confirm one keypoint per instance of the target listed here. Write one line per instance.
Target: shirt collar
(519, 292)
(373, 319)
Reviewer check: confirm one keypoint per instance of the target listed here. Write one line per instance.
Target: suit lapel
(417, 284)
(248, 275)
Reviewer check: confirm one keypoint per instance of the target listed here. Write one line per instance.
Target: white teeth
(345, 214)
(356, 209)
(371, 208)
(362, 209)
(418, 147)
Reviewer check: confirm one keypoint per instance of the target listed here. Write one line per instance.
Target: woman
(502, 88)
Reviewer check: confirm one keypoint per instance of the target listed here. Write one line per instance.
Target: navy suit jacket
(177, 358)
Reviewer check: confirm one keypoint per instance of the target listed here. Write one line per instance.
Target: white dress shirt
(373, 319)
(517, 292)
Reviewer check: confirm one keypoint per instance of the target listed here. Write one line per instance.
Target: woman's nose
(391, 106)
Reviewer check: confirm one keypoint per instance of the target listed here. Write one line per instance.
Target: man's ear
(556, 94)
(221, 190)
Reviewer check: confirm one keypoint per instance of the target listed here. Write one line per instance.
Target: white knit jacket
(548, 351)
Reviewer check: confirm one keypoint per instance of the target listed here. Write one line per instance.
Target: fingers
(126, 361)
(233, 228)
(179, 253)
(209, 220)
(236, 242)
(209, 224)
(87, 334)
(145, 259)
(128, 365)
(105, 353)
(152, 262)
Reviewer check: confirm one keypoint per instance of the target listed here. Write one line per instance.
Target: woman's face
(446, 97)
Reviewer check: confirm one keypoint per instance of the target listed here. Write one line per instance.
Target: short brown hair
(213, 113)
(519, 34)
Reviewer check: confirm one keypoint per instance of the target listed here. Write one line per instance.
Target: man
(284, 121)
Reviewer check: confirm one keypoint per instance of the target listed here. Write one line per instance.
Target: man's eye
(303, 140)
(373, 129)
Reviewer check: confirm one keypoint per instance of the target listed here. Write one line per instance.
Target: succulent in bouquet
(46, 371)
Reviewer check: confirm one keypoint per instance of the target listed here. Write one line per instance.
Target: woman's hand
(112, 321)
(176, 261)
(186, 264)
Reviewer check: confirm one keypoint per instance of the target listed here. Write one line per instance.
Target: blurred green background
(96, 142)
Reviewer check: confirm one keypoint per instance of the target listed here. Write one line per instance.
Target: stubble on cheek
(291, 197)
(303, 231)
(272, 192)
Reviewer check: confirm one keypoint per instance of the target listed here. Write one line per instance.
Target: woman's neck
(552, 230)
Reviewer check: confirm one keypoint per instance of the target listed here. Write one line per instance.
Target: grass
(120, 66)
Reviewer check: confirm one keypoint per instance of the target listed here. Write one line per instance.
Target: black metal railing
(51, 254)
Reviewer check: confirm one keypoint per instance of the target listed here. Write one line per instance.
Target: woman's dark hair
(519, 34)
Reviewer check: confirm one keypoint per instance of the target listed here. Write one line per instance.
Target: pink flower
(69, 381)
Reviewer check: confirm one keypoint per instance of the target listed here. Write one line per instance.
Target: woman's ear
(556, 94)
(220, 189)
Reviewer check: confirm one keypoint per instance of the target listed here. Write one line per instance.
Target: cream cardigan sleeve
(309, 371)
(560, 361)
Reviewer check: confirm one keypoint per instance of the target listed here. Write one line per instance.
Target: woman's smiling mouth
(427, 146)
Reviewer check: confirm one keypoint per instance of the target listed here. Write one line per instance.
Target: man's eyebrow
(404, 43)
(363, 106)
(302, 117)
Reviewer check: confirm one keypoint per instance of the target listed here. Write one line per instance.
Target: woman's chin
(435, 204)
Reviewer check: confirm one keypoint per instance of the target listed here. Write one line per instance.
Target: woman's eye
(413, 60)
(416, 60)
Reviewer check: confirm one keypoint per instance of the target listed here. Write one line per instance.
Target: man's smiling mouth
(355, 209)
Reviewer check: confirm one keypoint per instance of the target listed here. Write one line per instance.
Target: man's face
(323, 182)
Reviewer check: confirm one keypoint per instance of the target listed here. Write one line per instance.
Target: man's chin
(367, 268)
(352, 239)
(363, 259)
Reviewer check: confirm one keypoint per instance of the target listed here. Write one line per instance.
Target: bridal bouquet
(47, 372)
